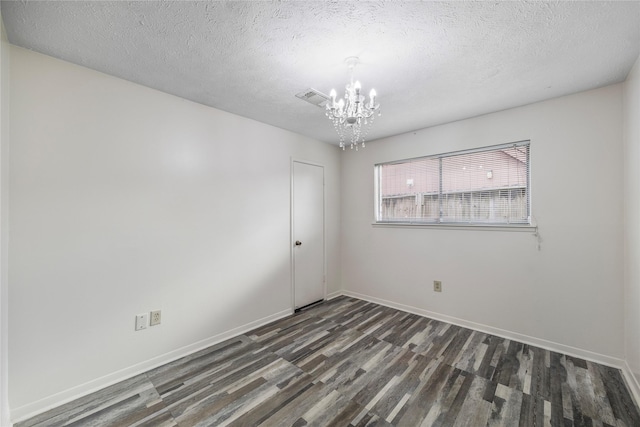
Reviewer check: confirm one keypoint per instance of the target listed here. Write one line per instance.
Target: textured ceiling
(430, 62)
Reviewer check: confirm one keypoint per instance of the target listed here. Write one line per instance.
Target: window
(487, 185)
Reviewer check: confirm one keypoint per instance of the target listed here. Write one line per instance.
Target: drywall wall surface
(565, 288)
(632, 218)
(4, 230)
(125, 200)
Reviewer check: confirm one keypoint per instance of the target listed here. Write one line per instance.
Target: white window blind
(487, 185)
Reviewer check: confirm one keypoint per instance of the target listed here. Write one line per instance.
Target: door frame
(292, 230)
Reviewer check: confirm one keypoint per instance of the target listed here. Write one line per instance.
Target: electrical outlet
(156, 317)
(437, 286)
(141, 321)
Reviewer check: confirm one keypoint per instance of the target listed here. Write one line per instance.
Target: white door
(308, 233)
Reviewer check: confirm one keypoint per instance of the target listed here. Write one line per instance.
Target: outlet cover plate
(437, 286)
(156, 317)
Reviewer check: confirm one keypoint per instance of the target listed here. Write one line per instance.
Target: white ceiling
(430, 62)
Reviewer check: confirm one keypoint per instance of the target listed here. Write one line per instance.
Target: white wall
(570, 291)
(4, 229)
(632, 219)
(125, 199)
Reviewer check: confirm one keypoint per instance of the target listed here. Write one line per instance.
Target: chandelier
(352, 117)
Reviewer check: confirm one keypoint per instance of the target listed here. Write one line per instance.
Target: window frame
(523, 225)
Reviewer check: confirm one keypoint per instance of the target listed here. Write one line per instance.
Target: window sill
(481, 227)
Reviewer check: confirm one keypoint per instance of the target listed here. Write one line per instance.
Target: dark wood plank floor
(349, 362)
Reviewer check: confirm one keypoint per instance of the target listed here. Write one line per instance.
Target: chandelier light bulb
(357, 86)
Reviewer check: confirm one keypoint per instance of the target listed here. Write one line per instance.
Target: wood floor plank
(427, 395)
(269, 407)
(115, 401)
(557, 376)
(344, 417)
(540, 380)
(293, 411)
(475, 410)
(622, 405)
(218, 380)
(348, 362)
(505, 407)
(532, 411)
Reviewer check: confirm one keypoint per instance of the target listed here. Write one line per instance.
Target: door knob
(298, 242)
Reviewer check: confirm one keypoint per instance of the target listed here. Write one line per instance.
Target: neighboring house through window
(487, 185)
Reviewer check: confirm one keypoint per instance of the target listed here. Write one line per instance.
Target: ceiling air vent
(314, 97)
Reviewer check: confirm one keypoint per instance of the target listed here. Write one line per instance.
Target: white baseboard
(632, 382)
(333, 295)
(32, 409)
(511, 335)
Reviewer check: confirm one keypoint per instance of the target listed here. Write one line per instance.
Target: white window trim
(527, 228)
